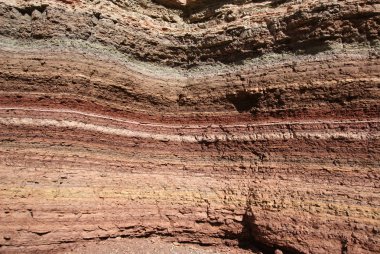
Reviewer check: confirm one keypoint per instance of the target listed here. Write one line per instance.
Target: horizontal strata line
(126, 108)
(283, 135)
(22, 47)
(188, 126)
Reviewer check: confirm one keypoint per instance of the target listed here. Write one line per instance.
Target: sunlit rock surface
(211, 122)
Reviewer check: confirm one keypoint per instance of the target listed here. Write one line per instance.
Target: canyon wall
(210, 122)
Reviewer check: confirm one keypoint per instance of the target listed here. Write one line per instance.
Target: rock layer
(208, 122)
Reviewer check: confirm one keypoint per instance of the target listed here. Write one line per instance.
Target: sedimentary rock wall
(213, 122)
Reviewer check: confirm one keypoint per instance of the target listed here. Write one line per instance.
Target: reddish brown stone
(233, 123)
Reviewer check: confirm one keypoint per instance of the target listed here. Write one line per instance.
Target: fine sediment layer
(211, 122)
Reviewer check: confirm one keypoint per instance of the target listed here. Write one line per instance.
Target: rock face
(211, 122)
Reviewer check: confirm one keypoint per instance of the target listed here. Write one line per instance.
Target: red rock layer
(280, 149)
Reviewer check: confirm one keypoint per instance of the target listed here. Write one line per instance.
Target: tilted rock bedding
(211, 122)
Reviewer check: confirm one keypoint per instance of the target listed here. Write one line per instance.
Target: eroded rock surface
(211, 122)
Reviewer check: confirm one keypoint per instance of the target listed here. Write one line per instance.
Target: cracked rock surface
(234, 122)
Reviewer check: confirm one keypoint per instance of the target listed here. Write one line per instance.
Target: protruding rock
(277, 251)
